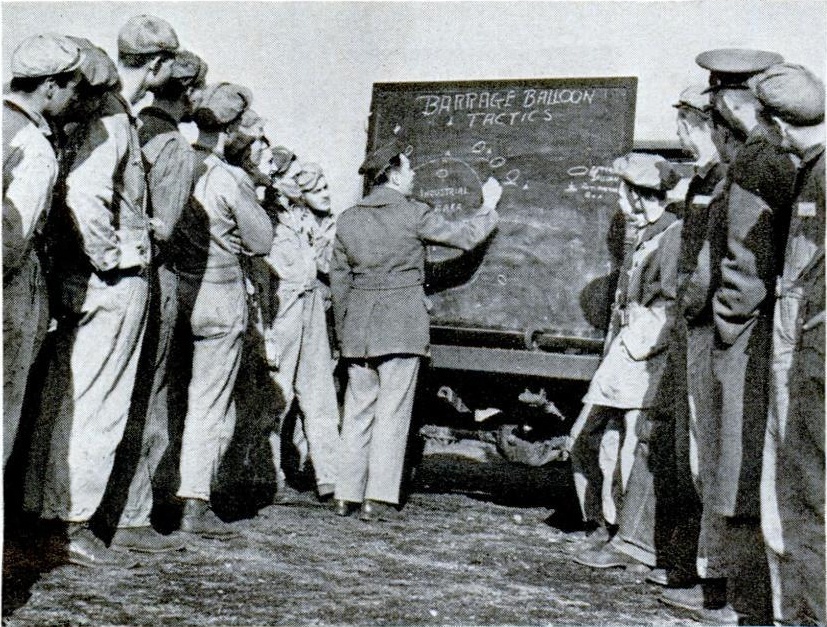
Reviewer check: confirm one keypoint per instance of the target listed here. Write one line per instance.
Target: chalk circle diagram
(454, 188)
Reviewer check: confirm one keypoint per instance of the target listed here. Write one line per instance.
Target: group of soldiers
(138, 248)
(698, 454)
(157, 266)
(698, 457)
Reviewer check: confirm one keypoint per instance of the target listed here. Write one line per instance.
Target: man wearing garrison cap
(625, 386)
(44, 83)
(376, 277)
(759, 197)
(222, 222)
(99, 264)
(792, 487)
(146, 52)
(170, 163)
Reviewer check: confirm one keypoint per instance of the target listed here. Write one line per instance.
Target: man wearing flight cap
(297, 347)
(222, 221)
(170, 164)
(100, 267)
(146, 51)
(316, 197)
(44, 83)
(376, 276)
(322, 224)
(626, 383)
(283, 167)
(792, 486)
(760, 186)
(285, 163)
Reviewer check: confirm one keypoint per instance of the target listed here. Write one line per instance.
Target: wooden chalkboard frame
(488, 337)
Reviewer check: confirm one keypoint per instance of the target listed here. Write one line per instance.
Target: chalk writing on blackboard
(550, 143)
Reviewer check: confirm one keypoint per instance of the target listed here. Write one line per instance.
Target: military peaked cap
(731, 68)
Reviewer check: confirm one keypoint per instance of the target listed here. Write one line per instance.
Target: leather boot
(145, 540)
(86, 549)
(373, 511)
(200, 520)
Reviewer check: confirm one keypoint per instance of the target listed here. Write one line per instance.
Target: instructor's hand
(491, 192)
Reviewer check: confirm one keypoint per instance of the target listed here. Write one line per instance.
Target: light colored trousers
(298, 351)
(218, 319)
(604, 439)
(155, 439)
(377, 416)
(25, 318)
(784, 339)
(88, 394)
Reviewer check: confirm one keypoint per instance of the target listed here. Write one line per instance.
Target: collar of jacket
(702, 170)
(652, 230)
(209, 151)
(161, 114)
(38, 120)
(291, 218)
(381, 196)
(761, 134)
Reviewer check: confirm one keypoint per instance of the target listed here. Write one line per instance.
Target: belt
(115, 274)
(290, 286)
(391, 280)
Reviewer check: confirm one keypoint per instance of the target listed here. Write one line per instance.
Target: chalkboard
(550, 143)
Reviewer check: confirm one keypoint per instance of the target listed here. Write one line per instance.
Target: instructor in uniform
(376, 274)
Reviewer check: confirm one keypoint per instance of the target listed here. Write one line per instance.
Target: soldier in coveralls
(628, 378)
(44, 82)
(792, 487)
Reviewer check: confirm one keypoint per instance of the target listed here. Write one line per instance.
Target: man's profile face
(293, 169)
(405, 176)
(160, 71)
(257, 150)
(780, 129)
(63, 100)
(318, 198)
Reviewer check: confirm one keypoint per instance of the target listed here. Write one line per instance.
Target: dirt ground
(477, 547)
